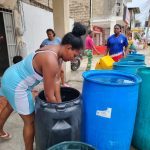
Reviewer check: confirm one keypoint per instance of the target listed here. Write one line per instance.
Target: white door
(10, 35)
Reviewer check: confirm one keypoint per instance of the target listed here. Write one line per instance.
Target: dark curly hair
(74, 38)
(50, 30)
(118, 25)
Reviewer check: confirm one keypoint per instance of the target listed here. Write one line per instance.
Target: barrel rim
(73, 142)
(136, 78)
(143, 68)
(129, 64)
(136, 55)
(67, 103)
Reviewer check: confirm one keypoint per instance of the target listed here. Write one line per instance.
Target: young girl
(131, 46)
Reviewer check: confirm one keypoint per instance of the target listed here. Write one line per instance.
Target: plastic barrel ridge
(109, 108)
(135, 57)
(130, 60)
(72, 145)
(128, 66)
(141, 135)
(57, 122)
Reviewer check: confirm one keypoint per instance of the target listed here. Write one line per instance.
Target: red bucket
(100, 49)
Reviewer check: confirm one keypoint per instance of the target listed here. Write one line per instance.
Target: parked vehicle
(75, 64)
(148, 41)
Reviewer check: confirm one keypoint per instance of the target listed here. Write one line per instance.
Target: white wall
(71, 22)
(37, 21)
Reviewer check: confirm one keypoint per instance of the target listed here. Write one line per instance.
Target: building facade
(24, 23)
(22, 27)
(80, 11)
(105, 14)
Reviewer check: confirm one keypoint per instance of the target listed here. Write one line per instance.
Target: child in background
(17, 59)
(131, 46)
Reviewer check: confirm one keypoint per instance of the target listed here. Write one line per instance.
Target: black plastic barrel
(72, 145)
(57, 122)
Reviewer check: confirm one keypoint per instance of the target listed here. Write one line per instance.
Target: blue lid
(129, 63)
(111, 77)
(135, 55)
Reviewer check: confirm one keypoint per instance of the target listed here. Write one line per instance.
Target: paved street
(14, 124)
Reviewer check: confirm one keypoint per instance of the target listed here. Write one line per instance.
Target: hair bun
(78, 29)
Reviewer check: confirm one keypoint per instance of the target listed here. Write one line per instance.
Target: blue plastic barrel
(132, 61)
(135, 57)
(141, 136)
(128, 66)
(109, 108)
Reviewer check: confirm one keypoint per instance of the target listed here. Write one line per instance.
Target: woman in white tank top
(19, 79)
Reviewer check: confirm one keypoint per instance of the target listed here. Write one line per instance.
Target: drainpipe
(90, 24)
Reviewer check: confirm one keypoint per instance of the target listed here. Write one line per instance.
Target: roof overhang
(136, 10)
(105, 22)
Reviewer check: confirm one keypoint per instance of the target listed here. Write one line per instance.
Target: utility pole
(148, 26)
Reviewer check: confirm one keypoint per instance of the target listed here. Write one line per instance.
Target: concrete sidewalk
(14, 124)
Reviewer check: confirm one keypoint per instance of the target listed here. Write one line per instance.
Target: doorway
(8, 39)
(4, 59)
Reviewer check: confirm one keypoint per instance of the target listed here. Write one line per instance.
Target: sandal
(6, 136)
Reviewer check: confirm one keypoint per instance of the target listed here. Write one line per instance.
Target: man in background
(116, 44)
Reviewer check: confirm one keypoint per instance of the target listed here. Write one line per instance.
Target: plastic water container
(141, 135)
(128, 66)
(105, 62)
(134, 60)
(109, 108)
(134, 57)
(72, 145)
(57, 122)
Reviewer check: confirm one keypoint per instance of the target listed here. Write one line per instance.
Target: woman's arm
(57, 88)
(49, 70)
(108, 47)
(107, 51)
(126, 51)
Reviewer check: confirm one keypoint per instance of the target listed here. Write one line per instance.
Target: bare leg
(62, 76)
(28, 131)
(4, 116)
